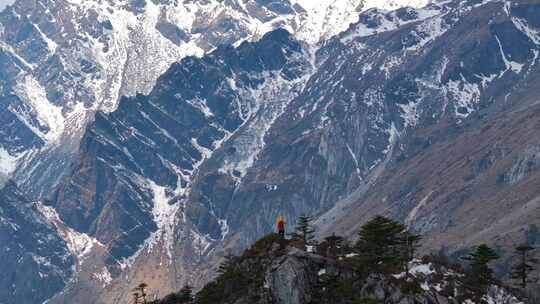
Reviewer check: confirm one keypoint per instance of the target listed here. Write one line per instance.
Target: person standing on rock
(281, 226)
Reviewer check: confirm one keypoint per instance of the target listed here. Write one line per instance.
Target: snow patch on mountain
(104, 276)
(201, 243)
(510, 65)
(326, 17)
(356, 164)
(410, 113)
(135, 42)
(51, 121)
(5, 3)
(498, 295)
(266, 103)
(394, 4)
(526, 29)
(51, 45)
(466, 96)
(164, 217)
(414, 212)
(428, 31)
(79, 244)
(384, 21)
(434, 279)
(224, 227)
(8, 163)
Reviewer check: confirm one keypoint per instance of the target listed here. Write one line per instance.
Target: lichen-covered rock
(292, 277)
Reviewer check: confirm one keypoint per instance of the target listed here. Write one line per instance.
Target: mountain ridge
(168, 182)
(70, 59)
(389, 76)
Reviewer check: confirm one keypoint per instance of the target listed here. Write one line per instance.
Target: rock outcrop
(292, 278)
(275, 271)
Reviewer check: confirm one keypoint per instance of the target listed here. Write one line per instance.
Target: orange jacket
(280, 224)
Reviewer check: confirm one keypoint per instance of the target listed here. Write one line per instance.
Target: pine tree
(304, 230)
(380, 245)
(185, 295)
(328, 287)
(522, 270)
(140, 290)
(479, 260)
(480, 276)
(227, 265)
(332, 246)
(136, 297)
(533, 234)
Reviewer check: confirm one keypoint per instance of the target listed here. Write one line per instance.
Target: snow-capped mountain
(64, 60)
(169, 181)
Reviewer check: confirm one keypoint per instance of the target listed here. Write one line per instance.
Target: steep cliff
(64, 60)
(130, 186)
(35, 262)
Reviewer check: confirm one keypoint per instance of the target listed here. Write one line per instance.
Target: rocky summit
(151, 138)
(277, 271)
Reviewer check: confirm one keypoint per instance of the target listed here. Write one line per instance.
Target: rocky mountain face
(463, 164)
(131, 185)
(427, 115)
(35, 261)
(387, 94)
(360, 125)
(64, 60)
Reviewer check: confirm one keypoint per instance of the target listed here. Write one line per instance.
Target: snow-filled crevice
(79, 244)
